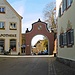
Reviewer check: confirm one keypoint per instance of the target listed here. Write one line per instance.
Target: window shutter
(72, 36)
(67, 39)
(64, 39)
(0, 9)
(59, 40)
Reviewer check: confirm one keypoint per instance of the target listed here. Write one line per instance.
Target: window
(67, 38)
(64, 5)
(61, 40)
(2, 24)
(69, 2)
(13, 26)
(70, 37)
(13, 44)
(2, 45)
(60, 12)
(64, 2)
(2, 9)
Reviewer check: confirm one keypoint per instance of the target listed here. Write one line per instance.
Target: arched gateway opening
(39, 28)
(39, 45)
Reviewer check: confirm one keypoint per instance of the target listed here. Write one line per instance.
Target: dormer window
(12, 26)
(2, 9)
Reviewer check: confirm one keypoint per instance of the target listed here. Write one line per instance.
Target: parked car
(40, 53)
(45, 52)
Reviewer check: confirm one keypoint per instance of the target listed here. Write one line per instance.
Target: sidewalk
(27, 56)
(61, 69)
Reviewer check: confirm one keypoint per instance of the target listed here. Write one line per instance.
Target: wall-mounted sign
(7, 35)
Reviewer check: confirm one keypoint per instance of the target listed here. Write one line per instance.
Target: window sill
(13, 29)
(61, 46)
(2, 28)
(2, 12)
(69, 45)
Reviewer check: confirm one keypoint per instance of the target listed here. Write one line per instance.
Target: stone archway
(39, 28)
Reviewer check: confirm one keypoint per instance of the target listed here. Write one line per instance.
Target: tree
(46, 43)
(49, 16)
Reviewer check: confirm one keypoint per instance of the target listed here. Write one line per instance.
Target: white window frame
(2, 25)
(12, 27)
(2, 9)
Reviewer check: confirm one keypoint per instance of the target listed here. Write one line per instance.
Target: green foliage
(45, 43)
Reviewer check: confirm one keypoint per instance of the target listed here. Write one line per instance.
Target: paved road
(25, 66)
(33, 66)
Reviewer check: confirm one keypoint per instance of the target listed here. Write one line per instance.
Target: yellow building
(23, 45)
(23, 39)
(10, 28)
(39, 46)
(66, 29)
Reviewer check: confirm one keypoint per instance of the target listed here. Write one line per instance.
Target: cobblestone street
(33, 66)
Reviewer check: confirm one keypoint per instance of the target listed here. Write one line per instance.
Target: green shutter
(72, 36)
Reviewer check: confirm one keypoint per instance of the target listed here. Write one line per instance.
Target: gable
(9, 10)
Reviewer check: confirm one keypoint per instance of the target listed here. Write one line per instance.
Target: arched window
(13, 44)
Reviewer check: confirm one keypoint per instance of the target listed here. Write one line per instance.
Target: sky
(30, 10)
(34, 41)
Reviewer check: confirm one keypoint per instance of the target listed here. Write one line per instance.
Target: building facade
(23, 43)
(65, 10)
(10, 28)
(40, 46)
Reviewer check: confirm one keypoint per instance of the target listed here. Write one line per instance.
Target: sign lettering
(7, 35)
